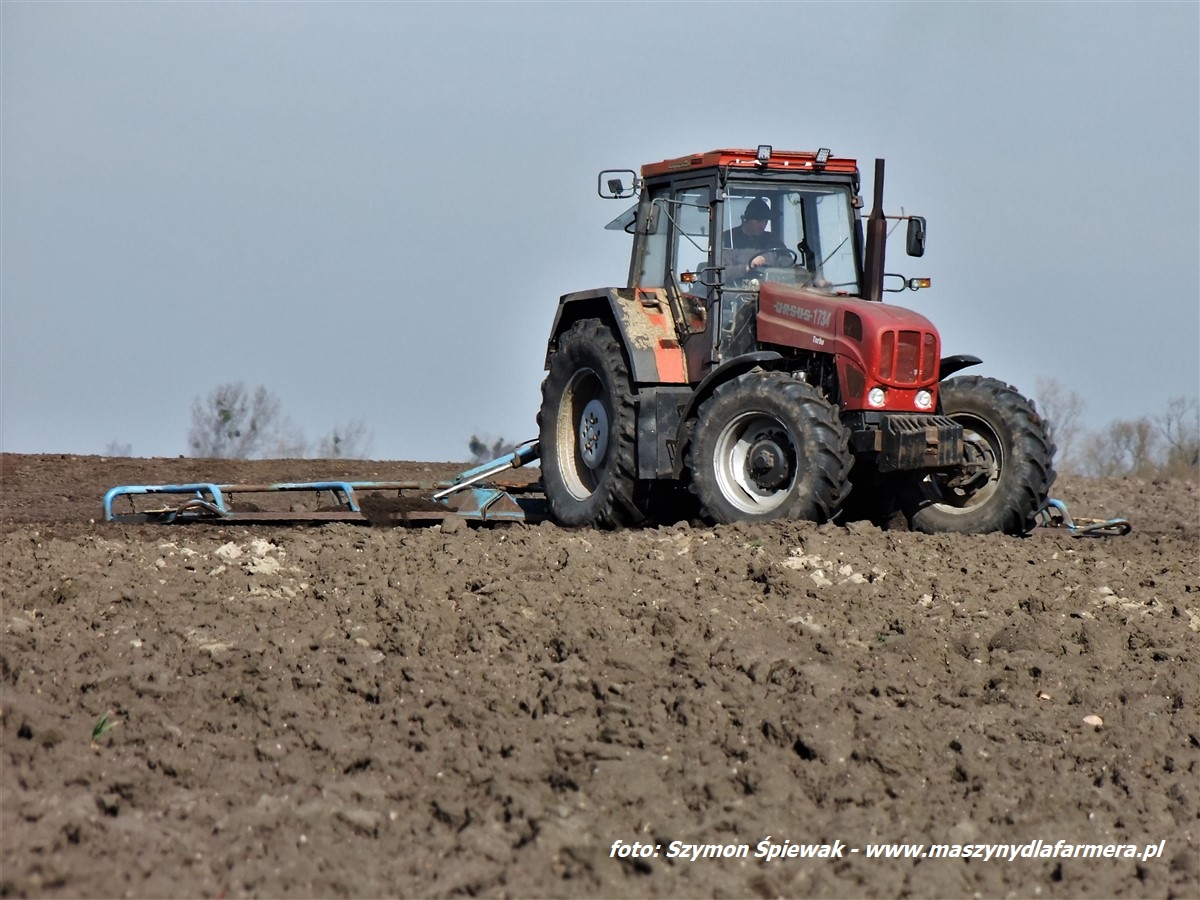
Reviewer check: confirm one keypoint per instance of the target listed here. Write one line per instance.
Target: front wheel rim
(755, 463)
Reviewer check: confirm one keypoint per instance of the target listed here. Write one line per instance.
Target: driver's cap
(757, 209)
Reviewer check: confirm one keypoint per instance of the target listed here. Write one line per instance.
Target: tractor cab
(711, 229)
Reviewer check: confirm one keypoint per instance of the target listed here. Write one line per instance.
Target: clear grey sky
(372, 208)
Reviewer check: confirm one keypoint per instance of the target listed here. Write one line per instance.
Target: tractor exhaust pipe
(876, 240)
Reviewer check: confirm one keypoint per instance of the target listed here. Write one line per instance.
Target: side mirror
(916, 236)
(611, 186)
(649, 224)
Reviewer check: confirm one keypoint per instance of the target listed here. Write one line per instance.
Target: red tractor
(749, 366)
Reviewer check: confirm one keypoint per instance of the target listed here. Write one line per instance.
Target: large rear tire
(767, 446)
(1009, 463)
(589, 431)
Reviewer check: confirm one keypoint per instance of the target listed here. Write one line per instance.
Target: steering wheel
(757, 272)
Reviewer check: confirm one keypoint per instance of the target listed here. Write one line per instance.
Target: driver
(751, 244)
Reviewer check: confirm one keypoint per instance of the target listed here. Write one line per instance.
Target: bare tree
(232, 423)
(482, 452)
(1179, 428)
(117, 449)
(287, 442)
(349, 441)
(1062, 409)
(1124, 447)
(1167, 446)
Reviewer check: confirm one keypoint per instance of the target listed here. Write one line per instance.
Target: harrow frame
(468, 495)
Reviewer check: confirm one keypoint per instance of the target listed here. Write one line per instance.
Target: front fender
(951, 364)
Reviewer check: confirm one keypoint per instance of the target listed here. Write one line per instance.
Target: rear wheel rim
(583, 433)
(755, 463)
(593, 434)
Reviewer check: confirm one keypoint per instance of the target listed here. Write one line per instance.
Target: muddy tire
(588, 426)
(1009, 463)
(767, 446)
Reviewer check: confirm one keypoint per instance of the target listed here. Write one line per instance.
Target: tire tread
(1028, 470)
(616, 502)
(825, 482)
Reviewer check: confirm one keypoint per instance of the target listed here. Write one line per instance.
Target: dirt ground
(356, 711)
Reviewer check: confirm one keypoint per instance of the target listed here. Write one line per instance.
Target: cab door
(691, 281)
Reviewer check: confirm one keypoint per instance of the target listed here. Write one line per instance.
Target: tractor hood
(874, 344)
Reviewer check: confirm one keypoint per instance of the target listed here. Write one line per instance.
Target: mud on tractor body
(750, 369)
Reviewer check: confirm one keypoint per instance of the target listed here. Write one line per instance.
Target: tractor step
(468, 496)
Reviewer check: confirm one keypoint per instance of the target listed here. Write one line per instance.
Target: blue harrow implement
(471, 495)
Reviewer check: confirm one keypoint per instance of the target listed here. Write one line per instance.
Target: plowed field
(355, 711)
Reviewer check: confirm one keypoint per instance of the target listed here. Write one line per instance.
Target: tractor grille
(907, 357)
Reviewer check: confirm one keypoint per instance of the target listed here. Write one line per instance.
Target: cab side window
(652, 270)
(692, 235)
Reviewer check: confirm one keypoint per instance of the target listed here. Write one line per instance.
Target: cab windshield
(794, 234)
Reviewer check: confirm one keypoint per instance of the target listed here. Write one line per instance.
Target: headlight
(924, 400)
(876, 397)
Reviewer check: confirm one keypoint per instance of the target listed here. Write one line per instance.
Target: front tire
(589, 431)
(768, 446)
(1009, 463)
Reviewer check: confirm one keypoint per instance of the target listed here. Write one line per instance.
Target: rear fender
(643, 323)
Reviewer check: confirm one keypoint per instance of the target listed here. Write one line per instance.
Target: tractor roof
(797, 160)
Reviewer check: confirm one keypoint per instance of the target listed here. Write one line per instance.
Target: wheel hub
(977, 470)
(593, 434)
(767, 464)
(755, 462)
